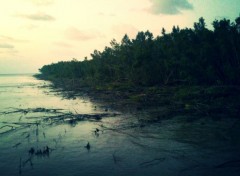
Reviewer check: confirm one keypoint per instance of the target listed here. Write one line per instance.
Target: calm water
(122, 146)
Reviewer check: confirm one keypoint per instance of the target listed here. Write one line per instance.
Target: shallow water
(29, 118)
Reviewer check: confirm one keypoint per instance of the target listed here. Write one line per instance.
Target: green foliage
(196, 56)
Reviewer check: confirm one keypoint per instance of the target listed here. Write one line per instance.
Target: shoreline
(159, 102)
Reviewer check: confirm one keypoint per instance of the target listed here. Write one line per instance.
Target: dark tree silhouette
(197, 56)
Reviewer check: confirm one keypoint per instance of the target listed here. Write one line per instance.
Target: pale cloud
(76, 34)
(170, 7)
(7, 50)
(37, 16)
(6, 46)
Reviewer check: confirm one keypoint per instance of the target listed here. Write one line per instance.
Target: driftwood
(7, 126)
(12, 128)
(30, 110)
(55, 116)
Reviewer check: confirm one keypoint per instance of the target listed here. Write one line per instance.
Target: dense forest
(190, 56)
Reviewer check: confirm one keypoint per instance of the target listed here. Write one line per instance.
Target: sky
(38, 32)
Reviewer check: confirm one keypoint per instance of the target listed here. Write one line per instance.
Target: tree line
(189, 56)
